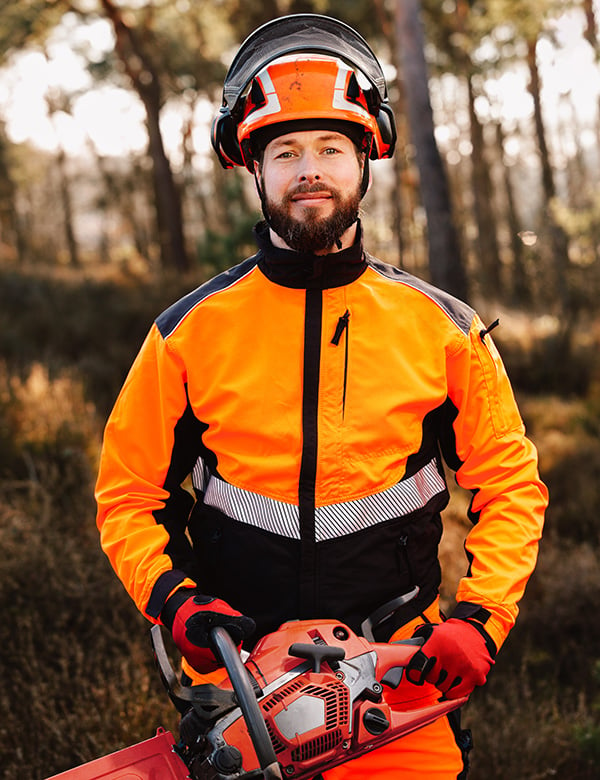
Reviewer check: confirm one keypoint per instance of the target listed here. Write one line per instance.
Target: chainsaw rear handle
(257, 728)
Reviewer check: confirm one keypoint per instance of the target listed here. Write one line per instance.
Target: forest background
(106, 219)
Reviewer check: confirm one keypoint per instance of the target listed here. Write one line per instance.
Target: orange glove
(456, 657)
(190, 616)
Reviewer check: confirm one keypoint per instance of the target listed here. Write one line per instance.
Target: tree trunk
(591, 28)
(487, 240)
(385, 22)
(140, 69)
(11, 233)
(519, 287)
(445, 259)
(558, 237)
(67, 208)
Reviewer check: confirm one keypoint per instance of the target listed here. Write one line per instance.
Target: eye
(284, 155)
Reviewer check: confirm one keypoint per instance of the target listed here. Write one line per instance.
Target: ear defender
(386, 123)
(224, 139)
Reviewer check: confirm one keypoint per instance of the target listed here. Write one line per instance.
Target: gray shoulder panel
(169, 320)
(459, 312)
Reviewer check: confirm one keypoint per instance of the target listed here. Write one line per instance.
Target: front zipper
(343, 324)
(308, 585)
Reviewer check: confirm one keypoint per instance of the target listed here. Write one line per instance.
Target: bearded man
(312, 393)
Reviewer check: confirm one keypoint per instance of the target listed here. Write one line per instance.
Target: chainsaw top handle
(246, 697)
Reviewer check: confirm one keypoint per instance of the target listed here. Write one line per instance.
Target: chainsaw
(310, 696)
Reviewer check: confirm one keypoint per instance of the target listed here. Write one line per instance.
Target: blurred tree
(529, 21)
(58, 101)
(591, 27)
(12, 240)
(445, 257)
(20, 24)
(520, 292)
(135, 44)
(459, 44)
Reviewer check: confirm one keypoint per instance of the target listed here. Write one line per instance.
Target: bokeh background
(112, 206)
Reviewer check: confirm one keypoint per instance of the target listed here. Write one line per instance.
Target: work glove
(456, 657)
(191, 616)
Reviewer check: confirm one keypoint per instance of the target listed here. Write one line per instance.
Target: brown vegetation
(75, 660)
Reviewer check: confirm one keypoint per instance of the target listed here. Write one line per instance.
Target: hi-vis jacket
(310, 400)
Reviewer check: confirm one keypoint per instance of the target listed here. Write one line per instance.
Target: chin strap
(263, 200)
(364, 185)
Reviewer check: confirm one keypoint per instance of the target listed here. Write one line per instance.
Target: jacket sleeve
(498, 464)
(146, 454)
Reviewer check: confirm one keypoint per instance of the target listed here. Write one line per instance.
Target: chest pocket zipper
(343, 325)
(404, 558)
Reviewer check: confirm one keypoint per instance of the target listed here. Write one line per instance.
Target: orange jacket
(309, 402)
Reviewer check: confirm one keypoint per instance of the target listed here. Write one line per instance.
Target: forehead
(309, 137)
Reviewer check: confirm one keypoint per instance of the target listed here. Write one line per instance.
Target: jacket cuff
(172, 604)
(477, 616)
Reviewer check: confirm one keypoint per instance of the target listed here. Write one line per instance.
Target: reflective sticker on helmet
(339, 94)
(272, 106)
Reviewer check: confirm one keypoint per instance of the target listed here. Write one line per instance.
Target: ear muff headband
(309, 33)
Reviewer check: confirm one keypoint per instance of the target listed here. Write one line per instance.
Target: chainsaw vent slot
(336, 697)
(317, 746)
(281, 695)
(278, 745)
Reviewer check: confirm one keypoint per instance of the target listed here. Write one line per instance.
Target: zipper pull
(483, 333)
(341, 326)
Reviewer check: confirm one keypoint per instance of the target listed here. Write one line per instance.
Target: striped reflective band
(331, 521)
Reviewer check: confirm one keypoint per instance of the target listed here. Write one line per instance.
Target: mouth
(311, 198)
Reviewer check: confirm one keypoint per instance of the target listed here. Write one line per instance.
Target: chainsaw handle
(257, 729)
(393, 658)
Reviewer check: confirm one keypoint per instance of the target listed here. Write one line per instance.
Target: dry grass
(75, 662)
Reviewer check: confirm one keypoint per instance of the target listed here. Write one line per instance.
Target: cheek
(275, 185)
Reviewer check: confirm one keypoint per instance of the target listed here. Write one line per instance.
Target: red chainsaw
(309, 696)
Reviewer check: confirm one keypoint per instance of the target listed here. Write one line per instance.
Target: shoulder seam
(170, 319)
(459, 312)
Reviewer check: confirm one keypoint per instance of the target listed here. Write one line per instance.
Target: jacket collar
(306, 270)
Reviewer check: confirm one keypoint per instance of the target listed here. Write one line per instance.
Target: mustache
(316, 187)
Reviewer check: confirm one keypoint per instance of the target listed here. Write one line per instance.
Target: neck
(346, 240)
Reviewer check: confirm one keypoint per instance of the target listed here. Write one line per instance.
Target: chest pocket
(504, 413)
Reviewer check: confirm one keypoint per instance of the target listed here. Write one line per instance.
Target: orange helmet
(302, 72)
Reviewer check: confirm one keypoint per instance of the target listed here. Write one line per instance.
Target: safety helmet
(302, 72)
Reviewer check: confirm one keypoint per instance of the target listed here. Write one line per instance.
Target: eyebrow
(330, 136)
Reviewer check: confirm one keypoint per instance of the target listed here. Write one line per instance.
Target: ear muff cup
(224, 139)
(386, 123)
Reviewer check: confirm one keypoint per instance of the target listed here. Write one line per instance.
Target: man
(310, 393)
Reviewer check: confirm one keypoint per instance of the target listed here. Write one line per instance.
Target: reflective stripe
(253, 509)
(401, 499)
(200, 475)
(334, 520)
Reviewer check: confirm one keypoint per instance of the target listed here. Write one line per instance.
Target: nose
(309, 169)
(309, 176)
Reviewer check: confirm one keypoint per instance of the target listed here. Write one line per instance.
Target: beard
(312, 234)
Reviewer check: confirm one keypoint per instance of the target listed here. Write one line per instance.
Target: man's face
(311, 182)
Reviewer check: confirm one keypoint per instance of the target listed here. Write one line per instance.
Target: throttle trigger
(393, 676)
